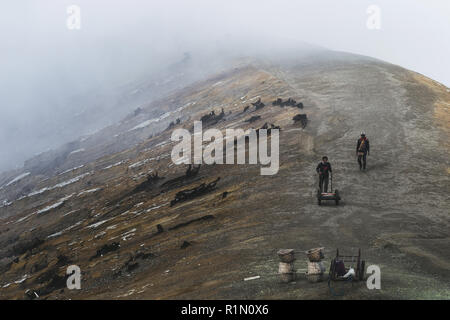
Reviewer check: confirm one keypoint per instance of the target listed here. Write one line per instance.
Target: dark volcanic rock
(26, 245)
(151, 181)
(185, 244)
(302, 118)
(106, 249)
(258, 104)
(253, 119)
(188, 194)
(184, 224)
(211, 118)
(191, 172)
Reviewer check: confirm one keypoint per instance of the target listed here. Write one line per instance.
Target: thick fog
(51, 70)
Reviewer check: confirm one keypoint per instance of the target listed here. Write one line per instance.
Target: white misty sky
(43, 64)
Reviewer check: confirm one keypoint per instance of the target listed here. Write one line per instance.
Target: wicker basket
(286, 255)
(316, 268)
(315, 255)
(314, 277)
(285, 268)
(288, 277)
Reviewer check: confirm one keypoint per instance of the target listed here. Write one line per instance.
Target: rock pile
(189, 194)
(211, 118)
(258, 104)
(288, 103)
(151, 180)
(267, 127)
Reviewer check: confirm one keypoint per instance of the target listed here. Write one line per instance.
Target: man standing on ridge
(323, 169)
(362, 150)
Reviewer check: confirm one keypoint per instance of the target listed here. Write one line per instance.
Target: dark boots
(362, 162)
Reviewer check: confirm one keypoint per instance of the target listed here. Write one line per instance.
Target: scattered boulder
(277, 102)
(173, 124)
(288, 103)
(106, 249)
(253, 119)
(302, 118)
(191, 172)
(152, 180)
(143, 255)
(211, 118)
(53, 281)
(185, 244)
(41, 264)
(63, 260)
(134, 262)
(268, 128)
(189, 194)
(258, 104)
(184, 224)
(132, 266)
(26, 245)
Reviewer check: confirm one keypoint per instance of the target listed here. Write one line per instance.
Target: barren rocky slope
(101, 207)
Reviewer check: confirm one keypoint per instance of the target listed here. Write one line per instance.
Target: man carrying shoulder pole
(362, 150)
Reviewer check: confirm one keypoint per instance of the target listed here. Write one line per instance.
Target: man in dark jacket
(362, 150)
(323, 169)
